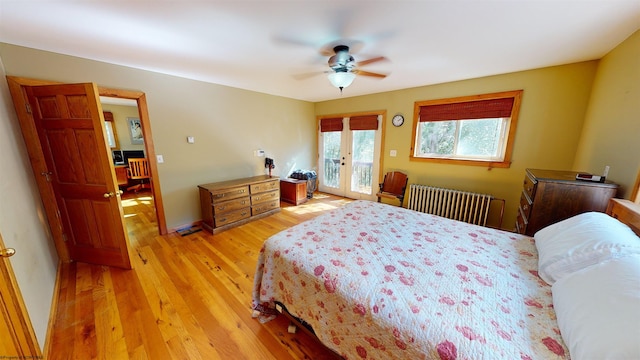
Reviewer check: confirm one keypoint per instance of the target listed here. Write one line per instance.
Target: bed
(380, 282)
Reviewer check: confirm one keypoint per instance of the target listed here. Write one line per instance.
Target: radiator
(465, 206)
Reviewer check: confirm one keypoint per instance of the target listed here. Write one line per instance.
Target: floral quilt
(381, 282)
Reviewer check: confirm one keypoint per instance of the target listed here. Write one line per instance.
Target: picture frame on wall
(135, 131)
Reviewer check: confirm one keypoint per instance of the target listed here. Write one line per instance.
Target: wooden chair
(393, 186)
(138, 170)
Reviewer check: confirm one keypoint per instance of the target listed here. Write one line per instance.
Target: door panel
(17, 338)
(69, 125)
(331, 167)
(363, 166)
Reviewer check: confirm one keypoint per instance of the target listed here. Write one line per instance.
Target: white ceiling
(260, 45)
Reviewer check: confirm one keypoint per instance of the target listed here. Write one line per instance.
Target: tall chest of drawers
(549, 196)
(231, 203)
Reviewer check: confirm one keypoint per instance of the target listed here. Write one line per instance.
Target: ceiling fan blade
(368, 73)
(292, 40)
(304, 76)
(370, 61)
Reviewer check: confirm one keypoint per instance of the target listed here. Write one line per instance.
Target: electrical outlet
(191, 139)
(258, 153)
(160, 159)
(393, 153)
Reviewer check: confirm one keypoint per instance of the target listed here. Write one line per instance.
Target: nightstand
(293, 191)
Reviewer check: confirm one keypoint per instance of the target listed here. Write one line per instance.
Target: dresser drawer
(264, 207)
(525, 205)
(231, 205)
(529, 186)
(263, 197)
(521, 223)
(228, 194)
(265, 186)
(233, 216)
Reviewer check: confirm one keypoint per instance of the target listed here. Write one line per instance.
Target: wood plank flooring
(188, 297)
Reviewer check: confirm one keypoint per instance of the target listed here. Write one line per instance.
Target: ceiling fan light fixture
(341, 79)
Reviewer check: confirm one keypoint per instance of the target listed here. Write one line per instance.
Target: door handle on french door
(8, 252)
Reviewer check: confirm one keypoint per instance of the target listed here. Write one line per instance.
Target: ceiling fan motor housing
(342, 61)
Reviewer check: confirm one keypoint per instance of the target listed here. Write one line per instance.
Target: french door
(349, 161)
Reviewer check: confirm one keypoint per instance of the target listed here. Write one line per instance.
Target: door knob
(108, 195)
(8, 252)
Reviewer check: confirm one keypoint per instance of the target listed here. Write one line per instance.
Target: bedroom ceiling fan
(344, 68)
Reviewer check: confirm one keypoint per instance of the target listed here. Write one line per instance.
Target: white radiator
(465, 206)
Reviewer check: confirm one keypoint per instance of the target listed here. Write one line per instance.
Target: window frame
(510, 136)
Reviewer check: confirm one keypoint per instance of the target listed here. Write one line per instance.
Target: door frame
(382, 114)
(36, 155)
(14, 312)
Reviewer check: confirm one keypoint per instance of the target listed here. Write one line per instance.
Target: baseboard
(52, 312)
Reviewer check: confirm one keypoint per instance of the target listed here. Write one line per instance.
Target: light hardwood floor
(188, 297)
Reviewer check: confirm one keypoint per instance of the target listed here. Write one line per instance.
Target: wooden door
(69, 125)
(17, 339)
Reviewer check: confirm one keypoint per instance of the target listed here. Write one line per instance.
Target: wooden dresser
(549, 196)
(231, 203)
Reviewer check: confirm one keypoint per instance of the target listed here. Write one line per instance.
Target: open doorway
(151, 198)
(130, 160)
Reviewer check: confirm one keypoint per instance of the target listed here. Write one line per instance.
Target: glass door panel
(332, 159)
(362, 148)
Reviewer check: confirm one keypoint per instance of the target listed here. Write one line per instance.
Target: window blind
(331, 124)
(479, 109)
(367, 122)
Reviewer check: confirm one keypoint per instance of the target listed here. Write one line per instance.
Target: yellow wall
(548, 133)
(228, 124)
(611, 134)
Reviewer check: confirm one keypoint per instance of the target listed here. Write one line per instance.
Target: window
(473, 130)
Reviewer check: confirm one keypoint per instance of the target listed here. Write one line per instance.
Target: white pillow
(580, 241)
(598, 310)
